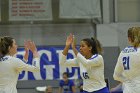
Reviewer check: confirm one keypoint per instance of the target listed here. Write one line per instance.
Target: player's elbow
(117, 77)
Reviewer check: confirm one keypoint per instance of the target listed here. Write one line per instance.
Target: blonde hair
(134, 35)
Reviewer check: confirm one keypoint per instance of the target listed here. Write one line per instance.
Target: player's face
(13, 49)
(65, 78)
(84, 48)
(130, 41)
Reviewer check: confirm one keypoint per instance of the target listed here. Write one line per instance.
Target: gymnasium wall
(44, 34)
(112, 36)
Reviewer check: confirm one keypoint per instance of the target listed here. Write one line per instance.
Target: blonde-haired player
(128, 65)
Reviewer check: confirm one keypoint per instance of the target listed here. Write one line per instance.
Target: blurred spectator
(66, 85)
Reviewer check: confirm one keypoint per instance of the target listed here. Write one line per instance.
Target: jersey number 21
(126, 63)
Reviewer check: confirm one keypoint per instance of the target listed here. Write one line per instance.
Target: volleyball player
(128, 64)
(90, 61)
(10, 66)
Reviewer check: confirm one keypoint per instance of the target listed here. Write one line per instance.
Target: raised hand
(73, 45)
(31, 46)
(69, 40)
(26, 51)
(68, 43)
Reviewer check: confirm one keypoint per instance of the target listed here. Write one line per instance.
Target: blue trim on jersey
(132, 47)
(129, 46)
(4, 58)
(96, 55)
(129, 49)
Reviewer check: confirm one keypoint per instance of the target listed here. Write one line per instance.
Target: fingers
(30, 45)
(71, 36)
(26, 45)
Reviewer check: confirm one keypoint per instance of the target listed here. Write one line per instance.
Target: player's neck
(88, 56)
(66, 81)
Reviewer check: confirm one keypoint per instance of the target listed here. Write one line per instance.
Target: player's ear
(129, 39)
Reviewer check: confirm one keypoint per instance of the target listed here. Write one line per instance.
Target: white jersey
(91, 70)
(10, 68)
(127, 70)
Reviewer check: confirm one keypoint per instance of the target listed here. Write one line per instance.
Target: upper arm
(97, 60)
(20, 65)
(60, 89)
(73, 89)
(118, 67)
(69, 62)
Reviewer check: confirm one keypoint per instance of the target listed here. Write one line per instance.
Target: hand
(31, 46)
(26, 51)
(68, 43)
(73, 45)
(69, 40)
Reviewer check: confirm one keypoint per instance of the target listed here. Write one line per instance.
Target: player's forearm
(65, 51)
(73, 89)
(25, 57)
(35, 54)
(75, 51)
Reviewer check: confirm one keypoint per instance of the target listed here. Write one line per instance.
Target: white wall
(47, 34)
(114, 34)
(128, 10)
(107, 34)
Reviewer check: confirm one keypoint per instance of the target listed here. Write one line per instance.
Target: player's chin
(81, 52)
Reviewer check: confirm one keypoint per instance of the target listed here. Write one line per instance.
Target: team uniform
(127, 69)
(67, 87)
(91, 71)
(10, 67)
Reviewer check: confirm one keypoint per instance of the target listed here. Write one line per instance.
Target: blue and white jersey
(127, 69)
(10, 67)
(91, 70)
(67, 87)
